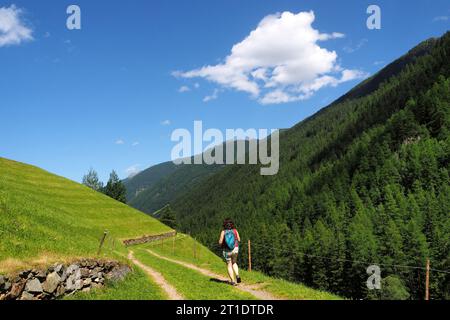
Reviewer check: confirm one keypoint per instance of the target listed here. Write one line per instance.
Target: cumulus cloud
(13, 30)
(120, 141)
(165, 122)
(134, 144)
(279, 61)
(132, 170)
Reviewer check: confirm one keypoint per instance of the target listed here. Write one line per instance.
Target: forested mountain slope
(159, 185)
(364, 181)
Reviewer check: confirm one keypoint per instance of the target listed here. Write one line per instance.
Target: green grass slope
(182, 249)
(45, 218)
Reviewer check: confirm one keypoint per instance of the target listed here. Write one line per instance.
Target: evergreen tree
(115, 188)
(167, 216)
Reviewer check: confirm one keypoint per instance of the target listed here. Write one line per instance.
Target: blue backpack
(230, 239)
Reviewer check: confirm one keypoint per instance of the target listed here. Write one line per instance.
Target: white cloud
(307, 90)
(165, 122)
(13, 31)
(359, 45)
(213, 96)
(440, 18)
(134, 144)
(279, 61)
(120, 141)
(132, 170)
(184, 89)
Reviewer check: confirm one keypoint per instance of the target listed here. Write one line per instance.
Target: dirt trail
(158, 278)
(252, 289)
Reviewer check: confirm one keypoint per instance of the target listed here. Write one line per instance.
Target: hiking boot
(234, 284)
(238, 279)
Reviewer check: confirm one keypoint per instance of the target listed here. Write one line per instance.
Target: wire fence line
(257, 246)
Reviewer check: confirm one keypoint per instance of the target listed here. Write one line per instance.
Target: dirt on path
(171, 292)
(252, 289)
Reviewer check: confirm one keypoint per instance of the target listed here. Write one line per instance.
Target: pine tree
(362, 245)
(115, 188)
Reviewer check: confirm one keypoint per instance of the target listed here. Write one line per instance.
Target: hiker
(229, 240)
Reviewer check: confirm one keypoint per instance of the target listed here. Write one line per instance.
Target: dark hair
(228, 224)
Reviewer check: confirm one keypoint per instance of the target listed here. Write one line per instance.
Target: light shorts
(231, 255)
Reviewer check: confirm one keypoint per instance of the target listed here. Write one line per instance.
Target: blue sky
(107, 97)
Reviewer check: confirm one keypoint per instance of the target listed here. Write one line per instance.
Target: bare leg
(236, 269)
(230, 271)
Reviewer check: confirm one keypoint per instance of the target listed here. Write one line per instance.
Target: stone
(2, 281)
(27, 296)
(51, 283)
(84, 273)
(60, 291)
(78, 284)
(74, 281)
(86, 289)
(41, 275)
(43, 296)
(34, 286)
(118, 273)
(59, 268)
(63, 275)
(72, 268)
(7, 286)
(70, 283)
(87, 282)
(17, 288)
(24, 274)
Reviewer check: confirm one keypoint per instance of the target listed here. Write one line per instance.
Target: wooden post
(427, 281)
(173, 245)
(102, 241)
(195, 250)
(249, 256)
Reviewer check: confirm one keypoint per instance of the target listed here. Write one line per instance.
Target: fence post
(427, 281)
(102, 241)
(173, 245)
(195, 250)
(249, 256)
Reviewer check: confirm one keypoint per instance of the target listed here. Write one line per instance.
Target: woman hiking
(229, 241)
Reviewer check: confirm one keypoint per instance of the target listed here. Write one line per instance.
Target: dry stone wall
(60, 280)
(153, 238)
